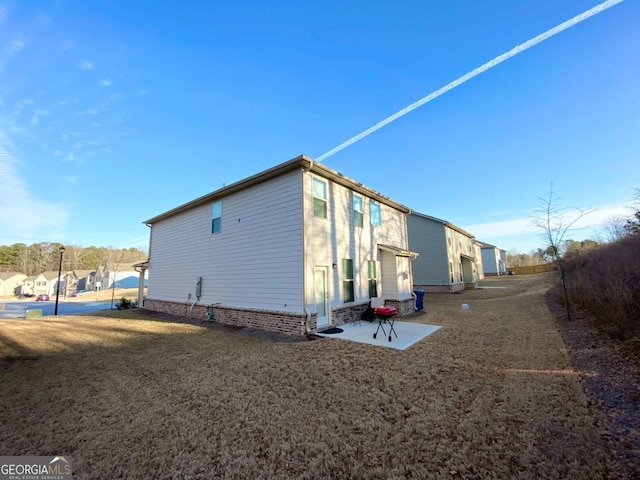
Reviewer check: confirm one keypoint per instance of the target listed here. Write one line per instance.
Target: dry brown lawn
(490, 395)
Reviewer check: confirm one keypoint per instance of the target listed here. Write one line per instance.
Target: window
(319, 198)
(374, 213)
(451, 271)
(373, 279)
(217, 217)
(347, 280)
(460, 271)
(358, 208)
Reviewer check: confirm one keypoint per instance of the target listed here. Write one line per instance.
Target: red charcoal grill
(385, 314)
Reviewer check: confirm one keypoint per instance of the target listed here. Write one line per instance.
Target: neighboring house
(477, 254)
(493, 259)
(47, 283)
(503, 262)
(447, 261)
(122, 274)
(28, 286)
(296, 248)
(10, 283)
(77, 281)
(98, 281)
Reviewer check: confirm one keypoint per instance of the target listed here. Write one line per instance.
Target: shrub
(123, 304)
(605, 283)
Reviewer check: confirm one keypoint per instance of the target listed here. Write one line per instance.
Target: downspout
(406, 235)
(307, 313)
(191, 308)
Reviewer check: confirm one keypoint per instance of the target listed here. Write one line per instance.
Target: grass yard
(490, 395)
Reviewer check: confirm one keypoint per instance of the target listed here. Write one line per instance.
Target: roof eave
(300, 161)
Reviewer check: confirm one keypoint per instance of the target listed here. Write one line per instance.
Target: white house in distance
(10, 283)
(494, 260)
(477, 254)
(46, 283)
(447, 261)
(296, 248)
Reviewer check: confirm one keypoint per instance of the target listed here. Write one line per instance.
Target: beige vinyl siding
(255, 261)
(428, 238)
(328, 241)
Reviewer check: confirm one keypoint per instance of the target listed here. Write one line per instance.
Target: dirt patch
(611, 382)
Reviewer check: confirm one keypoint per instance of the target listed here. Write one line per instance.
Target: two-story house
(295, 248)
(10, 283)
(47, 283)
(494, 260)
(447, 261)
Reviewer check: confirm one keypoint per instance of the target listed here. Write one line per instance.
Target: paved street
(17, 309)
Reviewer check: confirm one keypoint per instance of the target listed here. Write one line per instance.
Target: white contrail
(477, 71)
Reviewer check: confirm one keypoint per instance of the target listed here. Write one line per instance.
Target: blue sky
(113, 112)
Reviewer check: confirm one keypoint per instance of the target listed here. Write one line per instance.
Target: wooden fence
(531, 269)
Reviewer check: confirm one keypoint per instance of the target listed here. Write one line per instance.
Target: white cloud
(58, 153)
(16, 45)
(23, 217)
(3, 14)
(35, 118)
(522, 234)
(86, 65)
(106, 82)
(89, 111)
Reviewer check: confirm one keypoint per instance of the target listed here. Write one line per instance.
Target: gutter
(307, 313)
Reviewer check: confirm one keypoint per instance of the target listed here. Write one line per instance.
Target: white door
(322, 295)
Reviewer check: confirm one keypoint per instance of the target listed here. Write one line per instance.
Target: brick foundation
(342, 315)
(275, 321)
(458, 287)
(404, 307)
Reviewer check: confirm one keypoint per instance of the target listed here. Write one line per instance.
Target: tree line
(44, 256)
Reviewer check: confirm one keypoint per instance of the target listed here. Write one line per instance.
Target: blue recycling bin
(419, 299)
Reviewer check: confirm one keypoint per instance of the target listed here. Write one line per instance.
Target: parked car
(43, 297)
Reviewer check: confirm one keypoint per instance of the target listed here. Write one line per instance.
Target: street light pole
(55, 312)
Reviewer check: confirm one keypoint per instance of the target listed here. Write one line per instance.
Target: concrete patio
(409, 333)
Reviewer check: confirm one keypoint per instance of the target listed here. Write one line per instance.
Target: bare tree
(555, 221)
(614, 228)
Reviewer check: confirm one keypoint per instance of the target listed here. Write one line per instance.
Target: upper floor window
(216, 221)
(358, 209)
(319, 198)
(375, 214)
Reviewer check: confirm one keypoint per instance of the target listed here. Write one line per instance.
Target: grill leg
(391, 320)
(380, 320)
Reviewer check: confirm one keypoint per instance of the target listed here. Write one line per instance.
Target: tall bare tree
(556, 221)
